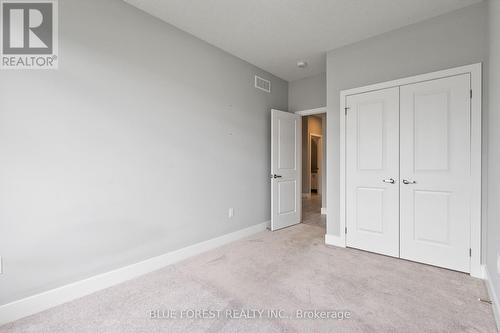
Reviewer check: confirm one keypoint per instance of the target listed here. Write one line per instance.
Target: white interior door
(372, 171)
(286, 164)
(436, 180)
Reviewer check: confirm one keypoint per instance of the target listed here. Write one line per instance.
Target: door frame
(311, 112)
(475, 71)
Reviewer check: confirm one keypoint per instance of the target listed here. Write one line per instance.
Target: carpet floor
(283, 271)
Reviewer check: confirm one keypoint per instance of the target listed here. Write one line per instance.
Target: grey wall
(308, 93)
(136, 146)
(455, 39)
(305, 94)
(493, 253)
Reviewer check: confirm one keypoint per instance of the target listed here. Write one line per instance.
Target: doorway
(313, 169)
(315, 157)
(298, 168)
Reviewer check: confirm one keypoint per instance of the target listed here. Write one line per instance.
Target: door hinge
(346, 230)
(345, 110)
(471, 93)
(470, 252)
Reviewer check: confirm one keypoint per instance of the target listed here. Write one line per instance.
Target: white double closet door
(408, 172)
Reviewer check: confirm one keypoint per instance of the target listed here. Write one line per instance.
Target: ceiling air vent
(262, 84)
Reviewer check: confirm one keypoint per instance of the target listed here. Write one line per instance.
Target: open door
(286, 164)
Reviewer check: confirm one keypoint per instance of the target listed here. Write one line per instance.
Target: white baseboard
(323, 210)
(334, 240)
(43, 301)
(493, 297)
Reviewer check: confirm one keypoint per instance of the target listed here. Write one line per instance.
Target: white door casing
(286, 169)
(372, 164)
(436, 177)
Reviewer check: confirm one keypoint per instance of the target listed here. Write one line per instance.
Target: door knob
(408, 182)
(390, 181)
(276, 176)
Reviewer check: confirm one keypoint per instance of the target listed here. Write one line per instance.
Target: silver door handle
(276, 176)
(389, 181)
(408, 182)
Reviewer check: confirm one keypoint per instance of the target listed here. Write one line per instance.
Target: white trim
(311, 111)
(323, 210)
(476, 156)
(475, 70)
(334, 240)
(342, 171)
(37, 303)
(495, 303)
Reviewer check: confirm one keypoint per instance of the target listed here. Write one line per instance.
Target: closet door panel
(372, 171)
(436, 188)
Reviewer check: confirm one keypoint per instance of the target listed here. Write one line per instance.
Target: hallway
(311, 211)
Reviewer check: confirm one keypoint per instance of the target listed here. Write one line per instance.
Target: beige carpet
(290, 269)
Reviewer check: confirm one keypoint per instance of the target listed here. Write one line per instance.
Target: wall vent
(262, 84)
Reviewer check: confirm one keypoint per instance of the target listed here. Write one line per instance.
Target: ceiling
(275, 34)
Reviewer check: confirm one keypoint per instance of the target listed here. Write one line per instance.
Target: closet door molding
(475, 71)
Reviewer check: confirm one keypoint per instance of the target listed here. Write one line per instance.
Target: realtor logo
(29, 34)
